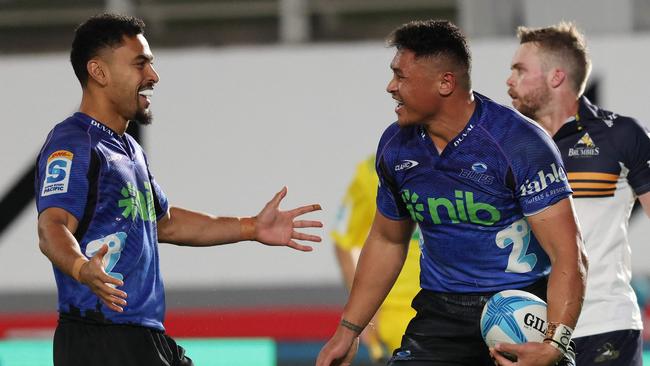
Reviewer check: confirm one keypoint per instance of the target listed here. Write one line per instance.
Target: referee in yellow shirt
(351, 230)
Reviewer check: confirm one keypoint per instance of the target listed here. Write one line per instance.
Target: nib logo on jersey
(584, 148)
(542, 181)
(137, 203)
(461, 208)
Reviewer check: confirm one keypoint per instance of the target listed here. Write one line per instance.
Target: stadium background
(255, 95)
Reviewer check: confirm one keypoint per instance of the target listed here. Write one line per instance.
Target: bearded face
(527, 84)
(530, 101)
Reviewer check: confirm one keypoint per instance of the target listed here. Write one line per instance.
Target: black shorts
(446, 330)
(618, 348)
(79, 343)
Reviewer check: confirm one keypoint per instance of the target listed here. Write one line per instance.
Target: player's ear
(557, 77)
(447, 83)
(98, 71)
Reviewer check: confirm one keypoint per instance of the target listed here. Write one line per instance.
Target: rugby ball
(513, 316)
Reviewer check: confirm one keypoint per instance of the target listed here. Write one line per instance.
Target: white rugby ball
(513, 316)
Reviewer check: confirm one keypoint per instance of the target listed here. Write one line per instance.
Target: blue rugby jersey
(103, 180)
(472, 200)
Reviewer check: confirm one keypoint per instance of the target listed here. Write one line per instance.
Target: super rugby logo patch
(57, 173)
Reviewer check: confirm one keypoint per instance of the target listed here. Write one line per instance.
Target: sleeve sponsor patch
(57, 173)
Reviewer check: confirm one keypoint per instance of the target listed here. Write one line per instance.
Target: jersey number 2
(517, 235)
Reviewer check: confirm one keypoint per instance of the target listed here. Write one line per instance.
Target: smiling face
(415, 88)
(131, 78)
(528, 82)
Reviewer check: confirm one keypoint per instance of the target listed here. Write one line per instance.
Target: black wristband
(353, 327)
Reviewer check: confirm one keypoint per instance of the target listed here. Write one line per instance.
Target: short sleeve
(537, 169)
(634, 145)
(61, 178)
(357, 210)
(389, 202)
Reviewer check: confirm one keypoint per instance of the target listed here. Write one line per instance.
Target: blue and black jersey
(103, 180)
(598, 147)
(471, 200)
(607, 159)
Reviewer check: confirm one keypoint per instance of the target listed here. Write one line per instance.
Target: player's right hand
(339, 350)
(92, 274)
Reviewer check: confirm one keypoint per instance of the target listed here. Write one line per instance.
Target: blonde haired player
(607, 160)
(352, 226)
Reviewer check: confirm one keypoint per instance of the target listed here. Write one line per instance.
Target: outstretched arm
(271, 226)
(557, 230)
(379, 265)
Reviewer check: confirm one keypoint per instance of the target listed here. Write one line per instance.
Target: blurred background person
(607, 159)
(351, 229)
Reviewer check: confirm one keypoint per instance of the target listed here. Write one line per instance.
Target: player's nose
(153, 74)
(510, 81)
(392, 86)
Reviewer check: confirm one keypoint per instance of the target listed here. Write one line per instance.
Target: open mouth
(399, 106)
(146, 93)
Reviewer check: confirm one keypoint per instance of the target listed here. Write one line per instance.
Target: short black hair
(98, 32)
(433, 38)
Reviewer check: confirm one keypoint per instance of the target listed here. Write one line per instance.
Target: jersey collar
(96, 124)
(586, 110)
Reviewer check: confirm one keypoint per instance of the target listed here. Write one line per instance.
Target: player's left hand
(277, 228)
(528, 354)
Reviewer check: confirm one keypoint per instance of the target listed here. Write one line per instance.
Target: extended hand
(275, 227)
(528, 354)
(92, 274)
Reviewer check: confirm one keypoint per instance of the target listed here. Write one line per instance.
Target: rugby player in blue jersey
(102, 214)
(487, 188)
(607, 159)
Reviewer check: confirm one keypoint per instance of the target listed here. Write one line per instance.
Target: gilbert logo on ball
(513, 316)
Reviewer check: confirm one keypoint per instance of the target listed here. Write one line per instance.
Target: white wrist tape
(559, 336)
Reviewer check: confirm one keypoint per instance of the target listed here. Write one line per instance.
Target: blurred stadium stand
(42, 25)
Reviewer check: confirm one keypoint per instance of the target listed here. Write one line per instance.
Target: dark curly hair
(98, 32)
(434, 38)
